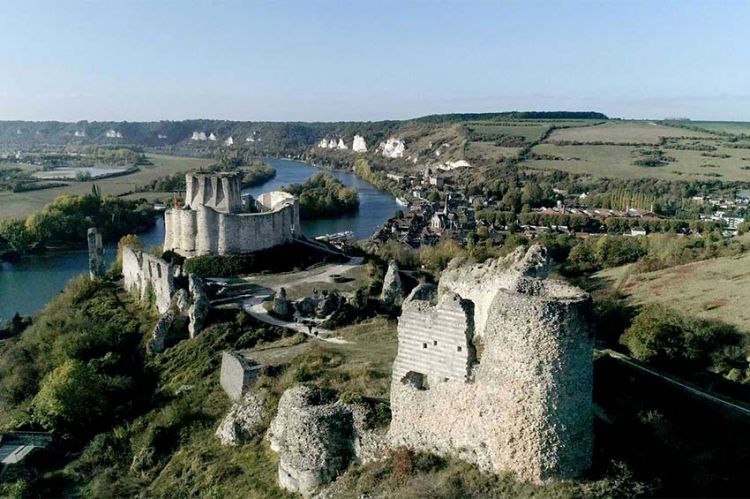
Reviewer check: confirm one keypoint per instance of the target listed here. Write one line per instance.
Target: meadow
(716, 289)
(22, 204)
(617, 161)
(622, 132)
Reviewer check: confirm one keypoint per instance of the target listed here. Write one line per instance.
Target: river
(28, 285)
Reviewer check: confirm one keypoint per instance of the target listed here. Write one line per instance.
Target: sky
(329, 60)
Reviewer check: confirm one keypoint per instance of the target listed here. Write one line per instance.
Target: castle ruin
(214, 219)
(494, 366)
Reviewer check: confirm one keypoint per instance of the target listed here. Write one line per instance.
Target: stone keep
(214, 221)
(96, 253)
(524, 404)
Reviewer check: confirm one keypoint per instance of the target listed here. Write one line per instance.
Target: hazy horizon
(343, 61)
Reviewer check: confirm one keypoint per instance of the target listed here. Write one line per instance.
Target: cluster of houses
(427, 221)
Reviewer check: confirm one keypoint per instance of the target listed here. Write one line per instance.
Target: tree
(70, 398)
(14, 231)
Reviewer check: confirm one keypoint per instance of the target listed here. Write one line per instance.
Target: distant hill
(261, 135)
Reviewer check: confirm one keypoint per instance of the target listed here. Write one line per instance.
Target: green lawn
(22, 204)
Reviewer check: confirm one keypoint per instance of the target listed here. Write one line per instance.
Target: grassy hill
(716, 289)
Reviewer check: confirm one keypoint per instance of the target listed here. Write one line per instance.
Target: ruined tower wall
(526, 407)
(435, 340)
(144, 274)
(545, 374)
(220, 191)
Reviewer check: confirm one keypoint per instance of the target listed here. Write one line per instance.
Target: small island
(257, 174)
(324, 196)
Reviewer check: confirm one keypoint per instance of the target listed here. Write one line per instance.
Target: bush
(665, 338)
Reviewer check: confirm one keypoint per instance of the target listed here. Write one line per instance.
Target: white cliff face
(212, 137)
(359, 144)
(341, 144)
(452, 165)
(161, 136)
(229, 142)
(392, 148)
(201, 136)
(323, 144)
(113, 134)
(79, 133)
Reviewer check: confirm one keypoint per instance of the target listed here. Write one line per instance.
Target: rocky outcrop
(96, 254)
(244, 420)
(199, 305)
(238, 374)
(330, 303)
(393, 291)
(340, 145)
(281, 306)
(199, 136)
(392, 148)
(313, 436)
(523, 404)
(162, 331)
(359, 144)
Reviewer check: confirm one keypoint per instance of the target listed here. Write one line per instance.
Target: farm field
(22, 204)
(478, 151)
(617, 161)
(713, 289)
(623, 132)
(733, 127)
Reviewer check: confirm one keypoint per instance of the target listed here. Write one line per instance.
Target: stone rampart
(525, 406)
(146, 274)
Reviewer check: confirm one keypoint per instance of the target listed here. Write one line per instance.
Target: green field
(733, 127)
(616, 161)
(713, 289)
(22, 204)
(623, 132)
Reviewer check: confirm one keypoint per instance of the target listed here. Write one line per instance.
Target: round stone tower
(539, 352)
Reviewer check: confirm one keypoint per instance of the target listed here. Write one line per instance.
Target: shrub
(663, 337)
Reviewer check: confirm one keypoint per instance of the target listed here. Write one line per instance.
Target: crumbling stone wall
(145, 274)
(212, 221)
(237, 375)
(526, 407)
(96, 253)
(393, 291)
